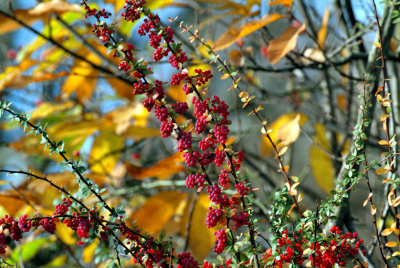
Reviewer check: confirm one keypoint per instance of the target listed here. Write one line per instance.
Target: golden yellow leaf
(383, 142)
(286, 3)
(324, 28)
(56, 6)
(65, 233)
(163, 169)
(176, 93)
(139, 133)
(287, 41)
(204, 49)
(235, 33)
(48, 108)
(387, 232)
(392, 244)
(104, 153)
(12, 72)
(236, 58)
(11, 202)
(9, 25)
(82, 79)
(24, 80)
(266, 147)
(157, 211)
(201, 239)
(154, 4)
(88, 251)
(121, 88)
(321, 164)
(381, 171)
(289, 132)
(40, 11)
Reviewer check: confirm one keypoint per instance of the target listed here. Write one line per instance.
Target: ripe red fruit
(75, 153)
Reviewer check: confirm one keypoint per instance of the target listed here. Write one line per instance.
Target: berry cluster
(333, 250)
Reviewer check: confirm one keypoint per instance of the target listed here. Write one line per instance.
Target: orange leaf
(286, 3)
(235, 33)
(287, 41)
(163, 169)
(392, 244)
(157, 211)
(324, 28)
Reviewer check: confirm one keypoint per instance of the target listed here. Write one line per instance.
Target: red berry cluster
(335, 249)
(221, 242)
(185, 260)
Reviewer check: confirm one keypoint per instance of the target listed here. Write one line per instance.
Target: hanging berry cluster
(229, 212)
(211, 114)
(293, 248)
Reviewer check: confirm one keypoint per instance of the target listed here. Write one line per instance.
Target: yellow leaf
(289, 132)
(163, 169)
(12, 203)
(176, 93)
(56, 6)
(392, 244)
(12, 72)
(201, 239)
(204, 49)
(88, 251)
(65, 233)
(122, 88)
(139, 133)
(235, 33)
(286, 3)
(381, 171)
(157, 211)
(154, 4)
(47, 108)
(102, 155)
(321, 164)
(387, 232)
(82, 79)
(324, 28)
(40, 11)
(287, 41)
(383, 142)
(266, 147)
(24, 80)
(57, 262)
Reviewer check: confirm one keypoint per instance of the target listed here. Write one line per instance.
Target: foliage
(138, 156)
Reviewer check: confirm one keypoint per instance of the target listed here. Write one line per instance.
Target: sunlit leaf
(266, 147)
(28, 250)
(163, 169)
(176, 93)
(104, 153)
(12, 203)
(40, 11)
(288, 133)
(12, 72)
(65, 233)
(157, 211)
(48, 108)
(320, 162)
(287, 41)
(122, 88)
(88, 251)
(82, 79)
(286, 3)
(323, 30)
(235, 33)
(201, 238)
